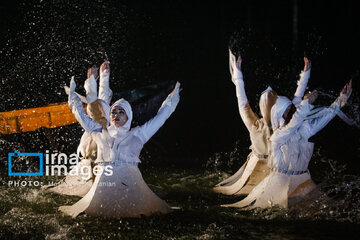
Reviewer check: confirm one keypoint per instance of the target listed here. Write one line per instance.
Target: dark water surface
(32, 213)
(44, 43)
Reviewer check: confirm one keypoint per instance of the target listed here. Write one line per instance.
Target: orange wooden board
(26, 120)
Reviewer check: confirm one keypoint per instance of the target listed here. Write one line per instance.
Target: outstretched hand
(233, 63)
(72, 95)
(93, 71)
(72, 85)
(235, 66)
(238, 63)
(347, 88)
(174, 97)
(307, 64)
(105, 67)
(176, 89)
(345, 93)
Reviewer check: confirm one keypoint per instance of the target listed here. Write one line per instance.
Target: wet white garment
(255, 168)
(274, 190)
(104, 96)
(78, 184)
(120, 149)
(105, 92)
(277, 112)
(301, 87)
(291, 150)
(129, 196)
(87, 149)
(290, 155)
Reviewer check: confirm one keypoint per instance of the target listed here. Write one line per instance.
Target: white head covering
(121, 131)
(278, 110)
(267, 100)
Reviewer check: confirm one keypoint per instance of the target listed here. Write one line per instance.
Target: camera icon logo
(17, 154)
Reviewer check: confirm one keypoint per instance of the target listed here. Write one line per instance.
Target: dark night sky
(153, 41)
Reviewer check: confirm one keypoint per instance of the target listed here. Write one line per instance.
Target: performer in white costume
(79, 184)
(255, 169)
(291, 151)
(124, 192)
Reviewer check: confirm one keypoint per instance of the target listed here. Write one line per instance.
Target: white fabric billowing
(272, 191)
(248, 176)
(128, 197)
(81, 205)
(136, 199)
(78, 185)
(124, 194)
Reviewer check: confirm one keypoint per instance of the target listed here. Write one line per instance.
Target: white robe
(79, 185)
(255, 169)
(124, 193)
(290, 156)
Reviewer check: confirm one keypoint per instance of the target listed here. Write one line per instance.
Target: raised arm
(282, 134)
(247, 115)
(77, 108)
(146, 131)
(303, 82)
(314, 125)
(90, 84)
(95, 105)
(105, 92)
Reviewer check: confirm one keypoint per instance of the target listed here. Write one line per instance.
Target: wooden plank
(62, 118)
(33, 121)
(8, 126)
(25, 120)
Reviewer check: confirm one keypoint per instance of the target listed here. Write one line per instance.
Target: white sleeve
(85, 121)
(326, 115)
(105, 92)
(301, 87)
(146, 131)
(240, 90)
(90, 86)
(282, 134)
(246, 113)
